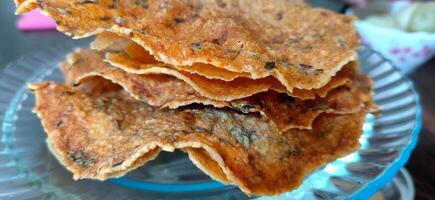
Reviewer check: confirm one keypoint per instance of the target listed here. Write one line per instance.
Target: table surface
(15, 44)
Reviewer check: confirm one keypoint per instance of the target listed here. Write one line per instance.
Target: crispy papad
(106, 41)
(166, 91)
(289, 113)
(138, 58)
(302, 47)
(223, 90)
(161, 90)
(86, 63)
(104, 136)
(211, 88)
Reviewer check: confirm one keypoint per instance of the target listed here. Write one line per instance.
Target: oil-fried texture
(300, 46)
(90, 61)
(107, 41)
(159, 89)
(136, 60)
(167, 91)
(223, 90)
(288, 113)
(103, 136)
(211, 88)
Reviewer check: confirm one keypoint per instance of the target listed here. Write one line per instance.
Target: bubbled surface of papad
(127, 55)
(103, 136)
(163, 90)
(302, 47)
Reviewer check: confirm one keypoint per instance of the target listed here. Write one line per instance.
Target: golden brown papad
(106, 41)
(135, 59)
(167, 91)
(211, 88)
(223, 90)
(159, 90)
(105, 136)
(302, 47)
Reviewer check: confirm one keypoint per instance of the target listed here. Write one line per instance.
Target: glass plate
(400, 188)
(28, 170)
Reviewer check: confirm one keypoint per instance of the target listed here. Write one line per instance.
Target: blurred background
(402, 31)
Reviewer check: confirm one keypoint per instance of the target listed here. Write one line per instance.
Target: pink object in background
(34, 20)
(407, 50)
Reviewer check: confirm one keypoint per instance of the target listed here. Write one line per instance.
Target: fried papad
(211, 88)
(166, 91)
(138, 58)
(216, 90)
(223, 90)
(287, 112)
(100, 137)
(302, 47)
(159, 90)
(106, 41)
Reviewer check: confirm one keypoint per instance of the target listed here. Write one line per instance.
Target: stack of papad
(258, 93)
(108, 135)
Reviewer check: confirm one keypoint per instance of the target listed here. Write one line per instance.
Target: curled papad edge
(131, 57)
(255, 157)
(161, 87)
(336, 51)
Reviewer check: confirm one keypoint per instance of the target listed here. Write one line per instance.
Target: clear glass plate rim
(388, 174)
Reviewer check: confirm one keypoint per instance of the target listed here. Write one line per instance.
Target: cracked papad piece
(107, 135)
(302, 47)
(166, 91)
